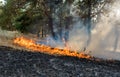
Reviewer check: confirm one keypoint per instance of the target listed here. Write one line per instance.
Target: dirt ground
(21, 63)
(16, 61)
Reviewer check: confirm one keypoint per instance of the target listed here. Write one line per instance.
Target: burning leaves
(31, 44)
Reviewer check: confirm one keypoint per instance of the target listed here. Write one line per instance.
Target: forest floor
(22, 63)
(16, 61)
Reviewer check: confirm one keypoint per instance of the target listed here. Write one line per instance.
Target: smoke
(105, 35)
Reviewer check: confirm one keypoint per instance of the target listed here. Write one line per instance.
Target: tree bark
(67, 27)
(50, 24)
(88, 23)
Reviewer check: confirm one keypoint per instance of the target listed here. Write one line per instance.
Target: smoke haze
(105, 35)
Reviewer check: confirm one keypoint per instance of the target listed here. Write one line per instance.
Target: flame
(31, 44)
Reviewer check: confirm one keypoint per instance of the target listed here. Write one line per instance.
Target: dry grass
(7, 37)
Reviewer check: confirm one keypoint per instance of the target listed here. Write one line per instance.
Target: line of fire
(78, 28)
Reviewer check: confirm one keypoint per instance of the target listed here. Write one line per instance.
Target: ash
(21, 63)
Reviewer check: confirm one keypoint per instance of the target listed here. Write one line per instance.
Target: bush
(22, 23)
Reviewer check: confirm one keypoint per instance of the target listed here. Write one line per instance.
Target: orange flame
(30, 44)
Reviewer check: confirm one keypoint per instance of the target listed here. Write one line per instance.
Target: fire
(31, 44)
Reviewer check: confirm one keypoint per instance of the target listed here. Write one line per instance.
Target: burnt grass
(21, 63)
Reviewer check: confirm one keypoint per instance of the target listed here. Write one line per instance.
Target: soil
(22, 63)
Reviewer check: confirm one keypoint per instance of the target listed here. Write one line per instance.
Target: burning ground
(15, 63)
(32, 45)
(34, 59)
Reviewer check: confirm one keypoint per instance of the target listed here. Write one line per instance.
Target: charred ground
(21, 63)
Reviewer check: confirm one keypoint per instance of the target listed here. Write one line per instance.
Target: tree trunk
(67, 25)
(50, 24)
(88, 21)
(60, 27)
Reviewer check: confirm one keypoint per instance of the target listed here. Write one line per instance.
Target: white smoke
(105, 37)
